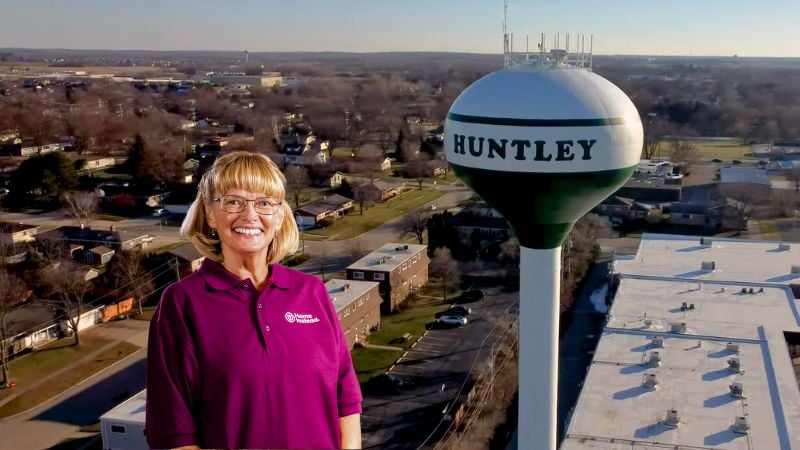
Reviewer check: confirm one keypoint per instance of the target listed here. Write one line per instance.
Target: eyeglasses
(236, 204)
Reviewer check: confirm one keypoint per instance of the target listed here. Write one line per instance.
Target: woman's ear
(209, 213)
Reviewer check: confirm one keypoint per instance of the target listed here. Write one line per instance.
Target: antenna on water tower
(543, 141)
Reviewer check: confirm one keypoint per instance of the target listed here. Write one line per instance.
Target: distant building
(122, 428)
(650, 191)
(358, 305)
(189, 258)
(266, 81)
(701, 349)
(329, 207)
(17, 233)
(399, 269)
(377, 190)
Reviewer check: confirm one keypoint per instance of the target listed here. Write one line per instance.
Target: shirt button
(267, 327)
(260, 306)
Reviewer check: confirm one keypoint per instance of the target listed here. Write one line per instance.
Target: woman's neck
(254, 268)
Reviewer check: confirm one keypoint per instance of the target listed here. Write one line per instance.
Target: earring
(213, 232)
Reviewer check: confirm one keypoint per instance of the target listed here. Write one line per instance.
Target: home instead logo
(300, 318)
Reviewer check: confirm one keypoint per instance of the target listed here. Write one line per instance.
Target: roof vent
(707, 265)
(648, 323)
(782, 247)
(731, 347)
(687, 306)
(734, 365)
(795, 270)
(672, 420)
(737, 390)
(400, 248)
(655, 360)
(657, 342)
(650, 381)
(346, 287)
(678, 328)
(706, 241)
(740, 425)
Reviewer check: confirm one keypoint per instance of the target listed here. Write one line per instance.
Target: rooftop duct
(672, 420)
(740, 425)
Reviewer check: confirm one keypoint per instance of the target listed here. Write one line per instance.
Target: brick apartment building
(398, 268)
(358, 306)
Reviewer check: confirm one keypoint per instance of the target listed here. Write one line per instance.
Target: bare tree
(82, 206)
(296, 180)
(654, 131)
(415, 224)
(745, 202)
(444, 268)
(128, 272)
(684, 153)
(12, 291)
(66, 281)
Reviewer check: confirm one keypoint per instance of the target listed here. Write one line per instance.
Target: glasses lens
(232, 203)
(264, 206)
(235, 204)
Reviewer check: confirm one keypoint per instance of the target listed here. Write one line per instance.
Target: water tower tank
(543, 145)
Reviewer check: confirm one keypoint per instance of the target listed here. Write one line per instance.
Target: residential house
(650, 191)
(17, 233)
(626, 209)
(329, 207)
(99, 255)
(76, 240)
(189, 258)
(479, 226)
(326, 177)
(358, 305)
(719, 214)
(398, 268)
(102, 162)
(28, 149)
(377, 190)
(35, 324)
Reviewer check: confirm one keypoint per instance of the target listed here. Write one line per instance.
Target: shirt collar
(218, 277)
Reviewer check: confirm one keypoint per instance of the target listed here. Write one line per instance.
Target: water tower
(542, 140)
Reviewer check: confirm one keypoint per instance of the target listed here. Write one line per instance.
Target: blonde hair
(252, 172)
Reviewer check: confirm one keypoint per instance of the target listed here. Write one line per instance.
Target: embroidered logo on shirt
(300, 318)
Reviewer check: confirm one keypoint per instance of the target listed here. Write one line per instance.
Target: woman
(246, 353)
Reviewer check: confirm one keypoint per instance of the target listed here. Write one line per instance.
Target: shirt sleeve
(172, 374)
(349, 391)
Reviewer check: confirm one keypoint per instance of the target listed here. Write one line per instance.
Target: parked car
(458, 311)
(716, 160)
(472, 295)
(147, 238)
(736, 161)
(452, 320)
(387, 382)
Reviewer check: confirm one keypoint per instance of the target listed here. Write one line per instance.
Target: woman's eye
(264, 204)
(233, 202)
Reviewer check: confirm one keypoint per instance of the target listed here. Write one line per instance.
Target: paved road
(438, 365)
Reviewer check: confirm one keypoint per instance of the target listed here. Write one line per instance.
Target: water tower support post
(538, 347)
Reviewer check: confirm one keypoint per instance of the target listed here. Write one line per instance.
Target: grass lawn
(355, 224)
(147, 313)
(110, 217)
(29, 369)
(421, 310)
(769, 230)
(725, 150)
(167, 247)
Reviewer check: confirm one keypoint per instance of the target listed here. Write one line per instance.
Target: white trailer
(122, 428)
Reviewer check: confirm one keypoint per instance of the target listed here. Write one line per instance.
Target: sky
(640, 27)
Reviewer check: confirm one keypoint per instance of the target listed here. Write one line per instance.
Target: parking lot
(434, 372)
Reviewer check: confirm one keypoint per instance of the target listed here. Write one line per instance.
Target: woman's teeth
(248, 231)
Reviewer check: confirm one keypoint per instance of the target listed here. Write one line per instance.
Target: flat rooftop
(387, 257)
(344, 292)
(131, 410)
(736, 260)
(722, 323)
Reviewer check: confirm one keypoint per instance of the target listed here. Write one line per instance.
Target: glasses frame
(275, 206)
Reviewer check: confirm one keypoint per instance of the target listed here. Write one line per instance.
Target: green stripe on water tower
(546, 221)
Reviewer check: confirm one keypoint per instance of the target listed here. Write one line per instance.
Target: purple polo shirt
(231, 367)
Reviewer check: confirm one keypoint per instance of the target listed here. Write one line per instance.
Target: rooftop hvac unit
(707, 265)
(401, 248)
(650, 381)
(346, 287)
(734, 365)
(737, 390)
(731, 347)
(740, 425)
(657, 342)
(795, 270)
(672, 420)
(706, 241)
(648, 323)
(678, 328)
(654, 360)
(782, 247)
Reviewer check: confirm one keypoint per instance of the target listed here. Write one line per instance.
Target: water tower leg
(540, 281)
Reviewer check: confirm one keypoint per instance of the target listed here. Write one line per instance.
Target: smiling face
(246, 234)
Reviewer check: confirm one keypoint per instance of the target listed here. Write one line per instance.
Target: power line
(475, 361)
